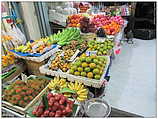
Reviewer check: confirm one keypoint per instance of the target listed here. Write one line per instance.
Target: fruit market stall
(35, 53)
(70, 67)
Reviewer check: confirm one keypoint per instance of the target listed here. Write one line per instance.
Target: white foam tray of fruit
(86, 81)
(91, 82)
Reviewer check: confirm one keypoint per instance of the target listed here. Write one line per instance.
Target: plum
(64, 112)
(52, 99)
(56, 104)
(51, 114)
(54, 108)
(57, 98)
(56, 115)
(46, 113)
(61, 101)
(50, 103)
(49, 95)
(59, 112)
(62, 107)
(68, 109)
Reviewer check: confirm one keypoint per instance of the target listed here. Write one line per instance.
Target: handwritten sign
(89, 53)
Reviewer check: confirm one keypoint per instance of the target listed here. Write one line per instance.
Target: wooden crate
(23, 110)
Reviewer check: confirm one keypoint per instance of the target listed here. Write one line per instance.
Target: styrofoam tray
(86, 81)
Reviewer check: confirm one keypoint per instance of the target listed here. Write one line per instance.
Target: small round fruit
(71, 71)
(84, 64)
(97, 76)
(96, 71)
(77, 73)
(88, 59)
(90, 75)
(109, 47)
(78, 63)
(104, 52)
(95, 61)
(82, 59)
(83, 74)
(92, 65)
(74, 68)
(87, 69)
(100, 53)
(80, 69)
(83, 55)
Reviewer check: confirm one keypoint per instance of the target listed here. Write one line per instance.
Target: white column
(30, 20)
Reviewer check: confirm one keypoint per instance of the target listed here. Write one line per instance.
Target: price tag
(89, 53)
(99, 39)
(62, 54)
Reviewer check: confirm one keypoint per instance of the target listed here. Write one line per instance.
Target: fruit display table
(78, 65)
(114, 113)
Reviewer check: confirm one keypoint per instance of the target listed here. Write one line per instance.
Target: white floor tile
(132, 86)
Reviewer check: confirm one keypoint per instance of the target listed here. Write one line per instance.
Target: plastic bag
(23, 38)
(18, 36)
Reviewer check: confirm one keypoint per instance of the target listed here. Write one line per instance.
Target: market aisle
(132, 86)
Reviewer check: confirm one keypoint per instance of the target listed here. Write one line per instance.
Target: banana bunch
(80, 90)
(45, 40)
(57, 84)
(23, 48)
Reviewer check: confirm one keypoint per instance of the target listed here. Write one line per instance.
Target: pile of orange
(112, 28)
(74, 20)
(8, 59)
(6, 37)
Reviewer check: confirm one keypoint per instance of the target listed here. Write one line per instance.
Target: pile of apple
(117, 19)
(74, 20)
(58, 106)
(100, 20)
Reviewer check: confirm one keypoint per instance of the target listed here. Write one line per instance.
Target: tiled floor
(132, 86)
